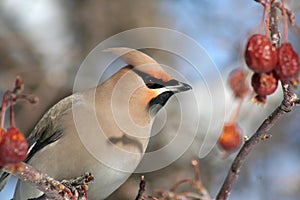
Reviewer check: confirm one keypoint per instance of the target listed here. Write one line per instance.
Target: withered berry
(260, 99)
(2, 134)
(288, 66)
(264, 83)
(238, 84)
(260, 54)
(231, 137)
(13, 148)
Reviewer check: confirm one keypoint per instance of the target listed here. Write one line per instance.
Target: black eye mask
(154, 83)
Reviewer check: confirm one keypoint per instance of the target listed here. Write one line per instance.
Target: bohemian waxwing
(104, 130)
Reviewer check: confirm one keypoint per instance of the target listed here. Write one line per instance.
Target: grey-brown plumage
(103, 130)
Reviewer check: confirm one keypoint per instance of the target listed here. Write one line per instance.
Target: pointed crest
(142, 62)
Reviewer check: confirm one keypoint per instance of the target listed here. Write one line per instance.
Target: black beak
(172, 87)
(179, 87)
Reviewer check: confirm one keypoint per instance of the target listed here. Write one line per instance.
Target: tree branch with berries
(270, 62)
(14, 150)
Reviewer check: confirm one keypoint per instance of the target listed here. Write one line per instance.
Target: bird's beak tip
(181, 87)
(184, 87)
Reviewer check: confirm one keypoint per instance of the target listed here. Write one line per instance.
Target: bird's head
(159, 86)
(153, 86)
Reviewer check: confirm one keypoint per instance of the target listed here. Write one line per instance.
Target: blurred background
(46, 41)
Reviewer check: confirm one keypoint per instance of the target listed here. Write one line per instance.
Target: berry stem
(285, 22)
(236, 113)
(267, 10)
(12, 113)
(261, 25)
(274, 19)
(3, 109)
(19, 85)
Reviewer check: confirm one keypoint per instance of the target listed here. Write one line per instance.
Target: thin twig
(274, 19)
(285, 20)
(178, 183)
(290, 14)
(141, 189)
(79, 185)
(196, 183)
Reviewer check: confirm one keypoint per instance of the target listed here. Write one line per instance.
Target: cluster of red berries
(270, 64)
(13, 144)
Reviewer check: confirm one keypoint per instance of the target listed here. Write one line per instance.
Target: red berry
(2, 134)
(288, 66)
(260, 54)
(13, 148)
(237, 81)
(231, 138)
(264, 83)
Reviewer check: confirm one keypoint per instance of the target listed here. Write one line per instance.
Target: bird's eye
(149, 81)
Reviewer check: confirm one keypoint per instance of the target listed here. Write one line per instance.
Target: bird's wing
(48, 129)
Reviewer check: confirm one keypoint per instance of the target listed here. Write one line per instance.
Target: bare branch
(74, 189)
(201, 194)
(141, 189)
(52, 188)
